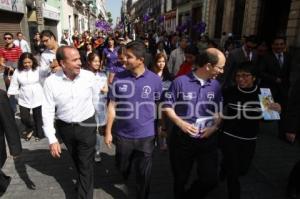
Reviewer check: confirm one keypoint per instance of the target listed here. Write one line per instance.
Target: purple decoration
(103, 26)
(200, 27)
(146, 18)
(161, 19)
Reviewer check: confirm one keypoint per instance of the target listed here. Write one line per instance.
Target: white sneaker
(97, 157)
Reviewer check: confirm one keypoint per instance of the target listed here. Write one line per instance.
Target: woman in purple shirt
(109, 55)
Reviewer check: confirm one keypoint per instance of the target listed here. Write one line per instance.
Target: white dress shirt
(47, 58)
(27, 84)
(23, 45)
(69, 100)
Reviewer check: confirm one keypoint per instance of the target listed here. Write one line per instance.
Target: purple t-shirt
(111, 57)
(135, 103)
(191, 100)
(117, 68)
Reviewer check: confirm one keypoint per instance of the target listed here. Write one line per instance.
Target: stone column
(229, 6)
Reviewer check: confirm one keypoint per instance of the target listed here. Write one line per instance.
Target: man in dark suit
(8, 130)
(237, 56)
(275, 74)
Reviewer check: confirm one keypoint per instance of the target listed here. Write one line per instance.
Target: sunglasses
(7, 38)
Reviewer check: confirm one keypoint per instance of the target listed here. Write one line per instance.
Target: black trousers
(238, 155)
(184, 152)
(36, 124)
(80, 141)
(4, 182)
(138, 152)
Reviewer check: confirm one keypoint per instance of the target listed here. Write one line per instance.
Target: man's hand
(290, 137)
(207, 132)
(188, 128)
(108, 139)
(275, 107)
(55, 150)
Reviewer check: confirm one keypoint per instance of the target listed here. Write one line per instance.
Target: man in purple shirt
(193, 105)
(132, 107)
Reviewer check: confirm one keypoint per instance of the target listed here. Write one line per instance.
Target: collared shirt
(248, 55)
(27, 84)
(11, 54)
(47, 58)
(74, 100)
(111, 57)
(177, 57)
(191, 99)
(135, 99)
(23, 45)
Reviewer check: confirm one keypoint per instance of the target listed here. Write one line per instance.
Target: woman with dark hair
(109, 54)
(162, 71)
(26, 83)
(93, 61)
(241, 126)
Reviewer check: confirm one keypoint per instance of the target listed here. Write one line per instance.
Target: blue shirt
(111, 57)
(135, 103)
(191, 100)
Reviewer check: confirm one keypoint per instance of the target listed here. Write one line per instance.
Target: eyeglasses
(7, 38)
(243, 76)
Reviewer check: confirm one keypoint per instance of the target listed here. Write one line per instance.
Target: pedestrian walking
(72, 95)
(193, 105)
(132, 107)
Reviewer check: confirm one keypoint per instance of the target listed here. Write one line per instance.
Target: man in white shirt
(22, 43)
(71, 96)
(177, 57)
(48, 58)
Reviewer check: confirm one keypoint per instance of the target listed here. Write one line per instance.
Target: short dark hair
(138, 48)
(248, 67)
(92, 56)
(47, 33)
(29, 56)
(60, 53)
(206, 57)
(19, 33)
(8, 33)
(251, 38)
(122, 50)
(279, 37)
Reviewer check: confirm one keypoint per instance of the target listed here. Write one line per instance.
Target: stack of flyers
(202, 123)
(265, 98)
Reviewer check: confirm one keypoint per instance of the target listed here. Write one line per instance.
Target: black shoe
(5, 185)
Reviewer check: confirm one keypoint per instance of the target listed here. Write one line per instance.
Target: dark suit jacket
(270, 70)
(8, 130)
(236, 57)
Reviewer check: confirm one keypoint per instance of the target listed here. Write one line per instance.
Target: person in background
(161, 70)
(93, 61)
(8, 134)
(65, 39)
(22, 43)
(177, 57)
(38, 46)
(26, 83)
(109, 55)
(120, 66)
(48, 57)
(190, 54)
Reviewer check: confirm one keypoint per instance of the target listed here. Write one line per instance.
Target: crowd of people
(192, 97)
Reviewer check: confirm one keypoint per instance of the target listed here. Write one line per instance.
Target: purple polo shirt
(135, 103)
(191, 100)
(111, 57)
(117, 68)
